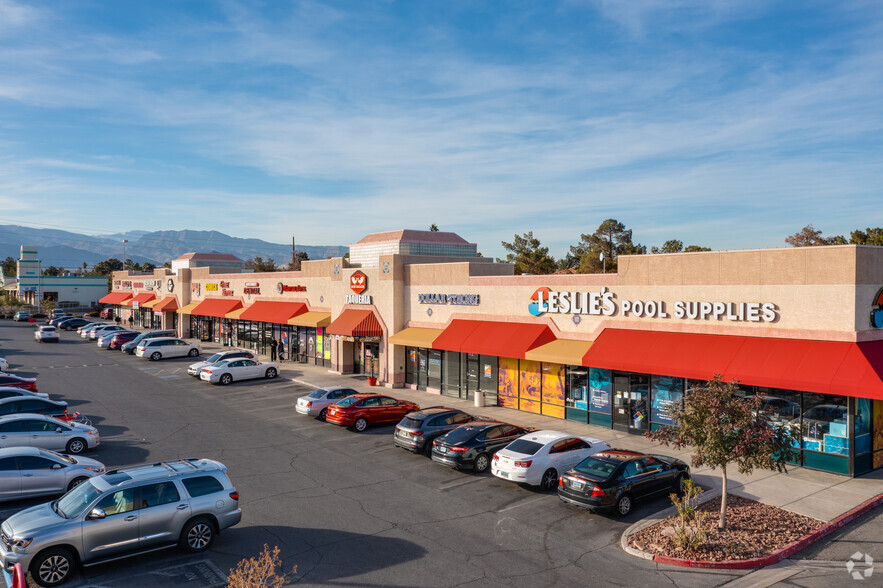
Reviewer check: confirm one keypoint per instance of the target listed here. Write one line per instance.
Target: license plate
(576, 485)
(402, 434)
(442, 449)
(504, 474)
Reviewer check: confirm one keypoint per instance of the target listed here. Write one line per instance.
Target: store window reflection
(824, 424)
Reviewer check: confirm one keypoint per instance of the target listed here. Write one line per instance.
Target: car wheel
(75, 446)
(624, 505)
(680, 484)
(76, 482)
(193, 352)
(323, 414)
(360, 425)
(226, 379)
(427, 449)
(155, 356)
(68, 328)
(53, 566)
(482, 463)
(197, 535)
(549, 480)
(271, 373)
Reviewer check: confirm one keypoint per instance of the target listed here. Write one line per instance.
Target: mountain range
(71, 250)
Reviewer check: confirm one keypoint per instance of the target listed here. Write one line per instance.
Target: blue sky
(729, 124)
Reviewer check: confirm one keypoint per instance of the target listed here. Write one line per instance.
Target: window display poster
(600, 387)
(667, 392)
(862, 425)
(319, 353)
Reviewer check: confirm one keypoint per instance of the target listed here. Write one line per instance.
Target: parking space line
(275, 407)
(524, 502)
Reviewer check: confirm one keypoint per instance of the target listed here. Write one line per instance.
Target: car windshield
(72, 504)
(214, 358)
(411, 422)
(596, 468)
(460, 435)
(320, 393)
(51, 454)
(524, 447)
(348, 401)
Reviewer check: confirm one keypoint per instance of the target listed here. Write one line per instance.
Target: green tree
(671, 246)
(433, 227)
(867, 237)
(52, 271)
(612, 239)
(107, 267)
(811, 237)
(10, 268)
(259, 265)
(528, 256)
(723, 428)
(695, 249)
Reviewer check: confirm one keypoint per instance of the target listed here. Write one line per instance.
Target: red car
(117, 341)
(360, 410)
(11, 381)
(107, 313)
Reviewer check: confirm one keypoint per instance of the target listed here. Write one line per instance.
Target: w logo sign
(358, 282)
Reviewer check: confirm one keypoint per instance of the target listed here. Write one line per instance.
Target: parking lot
(345, 508)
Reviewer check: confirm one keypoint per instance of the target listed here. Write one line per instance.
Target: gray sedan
(37, 430)
(26, 472)
(316, 403)
(9, 392)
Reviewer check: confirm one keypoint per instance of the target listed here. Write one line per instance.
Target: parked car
(106, 313)
(29, 472)
(104, 338)
(195, 368)
(185, 502)
(9, 392)
(539, 457)
(14, 381)
(45, 334)
(163, 347)
(360, 410)
(614, 479)
(21, 316)
(104, 330)
(416, 431)
(316, 403)
(39, 430)
(45, 406)
(54, 320)
(69, 324)
(470, 446)
(120, 338)
(227, 371)
(4, 365)
(132, 345)
(86, 331)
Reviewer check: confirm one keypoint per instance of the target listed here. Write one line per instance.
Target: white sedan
(538, 458)
(230, 370)
(46, 333)
(4, 365)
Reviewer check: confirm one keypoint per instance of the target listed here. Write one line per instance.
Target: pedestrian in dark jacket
(273, 344)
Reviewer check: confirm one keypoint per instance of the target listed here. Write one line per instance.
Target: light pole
(603, 262)
(124, 252)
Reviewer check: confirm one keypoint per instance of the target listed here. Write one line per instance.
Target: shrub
(259, 571)
(689, 531)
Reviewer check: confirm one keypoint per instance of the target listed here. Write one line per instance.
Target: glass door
(422, 368)
(621, 409)
(472, 361)
(639, 403)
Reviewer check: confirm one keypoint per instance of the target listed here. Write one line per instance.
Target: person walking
(273, 344)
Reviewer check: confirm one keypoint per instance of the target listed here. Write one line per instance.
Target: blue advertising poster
(666, 393)
(600, 388)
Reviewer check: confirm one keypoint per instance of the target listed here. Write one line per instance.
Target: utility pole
(124, 252)
(295, 266)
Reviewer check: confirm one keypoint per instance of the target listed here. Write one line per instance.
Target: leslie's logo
(358, 282)
(538, 306)
(877, 311)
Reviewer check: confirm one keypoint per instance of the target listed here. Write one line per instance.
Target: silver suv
(124, 512)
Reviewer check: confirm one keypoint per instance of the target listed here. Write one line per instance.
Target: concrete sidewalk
(816, 494)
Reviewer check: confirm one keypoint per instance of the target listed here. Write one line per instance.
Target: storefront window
(435, 369)
(666, 393)
(488, 379)
(451, 374)
(862, 425)
(600, 389)
(824, 424)
(577, 392)
(411, 366)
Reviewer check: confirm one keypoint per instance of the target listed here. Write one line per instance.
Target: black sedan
(69, 324)
(470, 447)
(616, 478)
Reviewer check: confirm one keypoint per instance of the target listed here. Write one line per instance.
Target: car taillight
(561, 482)
(523, 464)
(234, 495)
(597, 492)
(496, 457)
(209, 372)
(457, 449)
(310, 404)
(435, 443)
(417, 433)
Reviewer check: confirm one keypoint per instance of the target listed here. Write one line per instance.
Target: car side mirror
(58, 429)
(96, 514)
(56, 466)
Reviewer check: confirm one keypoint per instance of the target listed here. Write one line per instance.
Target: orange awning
(140, 298)
(563, 351)
(115, 298)
(311, 319)
(415, 337)
(266, 311)
(168, 304)
(356, 323)
(493, 338)
(825, 367)
(216, 307)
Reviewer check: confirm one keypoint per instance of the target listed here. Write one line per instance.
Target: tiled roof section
(412, 236)
(210, 257)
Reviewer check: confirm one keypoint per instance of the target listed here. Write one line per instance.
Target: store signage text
(212, 287)
(251, 290)
(280, 287)
(604, 303)
(138, 285)
(226, 290)
(461, 299)
(358, 282)
(358, 299)
(126, 285)
(116, 283)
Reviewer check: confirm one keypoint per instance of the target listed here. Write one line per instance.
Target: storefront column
(345, 357)
(396, 357)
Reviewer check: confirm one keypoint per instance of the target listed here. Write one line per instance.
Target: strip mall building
(615, 350)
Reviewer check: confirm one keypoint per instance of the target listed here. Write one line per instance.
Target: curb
(758, 562)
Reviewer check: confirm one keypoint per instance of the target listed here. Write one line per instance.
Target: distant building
(218, 262)
(366, 252)
(32, 287)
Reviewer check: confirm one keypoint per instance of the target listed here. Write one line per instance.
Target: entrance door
(472, 361)
(422, 368)
(372, 358)
(621, 396)
(631, 402)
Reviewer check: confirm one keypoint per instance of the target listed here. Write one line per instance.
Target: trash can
(372, 381)
(479, 398)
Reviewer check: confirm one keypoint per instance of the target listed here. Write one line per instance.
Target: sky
(726, 124)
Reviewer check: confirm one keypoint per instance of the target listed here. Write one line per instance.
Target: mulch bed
(753, 530)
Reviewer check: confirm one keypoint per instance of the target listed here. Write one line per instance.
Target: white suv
(161, 347)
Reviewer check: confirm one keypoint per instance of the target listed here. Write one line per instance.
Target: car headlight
(21, 543)
(98, 469)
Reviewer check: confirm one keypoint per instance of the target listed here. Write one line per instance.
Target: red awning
(115, 298)
(493, 338)
(273, 312)
(356, 323)
(216, 307)
(169, 304)
(141, 298)
(826, 367)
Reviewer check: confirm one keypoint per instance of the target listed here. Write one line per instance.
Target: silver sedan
(10, 391)
(37, 430)
(233, 370)
(26, 472)
(316, 403)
